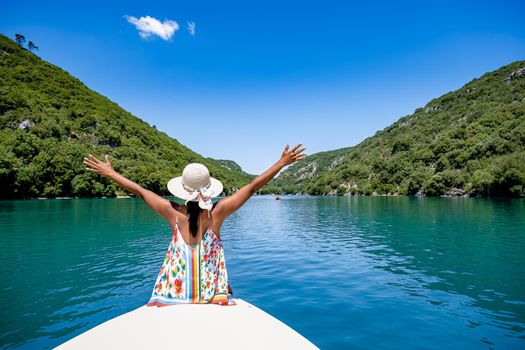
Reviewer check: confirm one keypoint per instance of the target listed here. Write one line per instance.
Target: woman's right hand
(95, 165)
(160, 205)
(292, 156)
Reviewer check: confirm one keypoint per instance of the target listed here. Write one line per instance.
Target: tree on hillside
(31, 46)
(20, 39)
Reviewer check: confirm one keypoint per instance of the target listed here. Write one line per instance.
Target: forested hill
(49, 121)
(469, 141)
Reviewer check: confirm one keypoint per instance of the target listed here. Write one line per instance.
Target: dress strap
(176, 227)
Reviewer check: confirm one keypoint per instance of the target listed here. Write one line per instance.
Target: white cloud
(148, 26)
(191, 28)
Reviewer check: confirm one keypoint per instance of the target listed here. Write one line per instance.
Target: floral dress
(193, 275)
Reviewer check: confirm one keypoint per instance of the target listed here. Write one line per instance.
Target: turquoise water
(346, 272)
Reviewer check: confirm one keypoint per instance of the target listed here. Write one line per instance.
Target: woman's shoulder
(176, 206)
(177, 213)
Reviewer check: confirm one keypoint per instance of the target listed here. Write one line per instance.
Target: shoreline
(280, 195)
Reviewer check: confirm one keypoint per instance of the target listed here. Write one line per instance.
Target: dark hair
(193, 211)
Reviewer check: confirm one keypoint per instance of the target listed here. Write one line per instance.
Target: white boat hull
(192, 326)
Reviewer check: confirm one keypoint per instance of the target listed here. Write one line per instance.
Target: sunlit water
(361, 272)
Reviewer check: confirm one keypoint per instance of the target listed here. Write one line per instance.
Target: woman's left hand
(97, 166)
(289, 157)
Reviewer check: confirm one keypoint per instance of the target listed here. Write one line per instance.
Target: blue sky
(257, 75)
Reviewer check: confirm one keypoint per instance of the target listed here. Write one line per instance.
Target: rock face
(307, 172)
(334, 163)
(26, 124)
(434, 109)
(520, 73)
(456, 192)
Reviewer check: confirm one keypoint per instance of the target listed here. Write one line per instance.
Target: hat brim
(176, 189)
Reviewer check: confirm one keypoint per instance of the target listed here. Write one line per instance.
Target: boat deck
(192, 326)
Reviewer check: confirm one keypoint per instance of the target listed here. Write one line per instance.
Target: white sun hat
(196, 184)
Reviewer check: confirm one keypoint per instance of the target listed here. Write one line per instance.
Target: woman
(194, 270)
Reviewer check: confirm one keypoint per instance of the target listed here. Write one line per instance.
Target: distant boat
(241, 326)
(277, 197)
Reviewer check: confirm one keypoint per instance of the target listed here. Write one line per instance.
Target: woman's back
(193, 274)
(203, 221)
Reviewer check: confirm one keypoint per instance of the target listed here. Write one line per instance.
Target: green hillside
(49, 121)
(230, 164)
(469, 141)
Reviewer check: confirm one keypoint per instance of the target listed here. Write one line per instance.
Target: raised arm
(160, 205)
(229, 205)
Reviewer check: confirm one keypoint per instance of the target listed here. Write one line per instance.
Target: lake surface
(346, 272)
